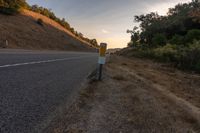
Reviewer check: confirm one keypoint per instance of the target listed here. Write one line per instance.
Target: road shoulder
(131, 98)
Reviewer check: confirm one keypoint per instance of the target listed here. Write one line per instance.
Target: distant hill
(31, 30)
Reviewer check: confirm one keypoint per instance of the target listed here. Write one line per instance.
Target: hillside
(23, 31)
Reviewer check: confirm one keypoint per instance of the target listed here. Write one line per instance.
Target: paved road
(34, 84)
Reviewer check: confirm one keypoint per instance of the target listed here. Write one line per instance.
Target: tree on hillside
(65, 24)
(174, 38)
(10, 7)
(135, 37)
(195, 15)
(159, 40)
(2, 3)
(179, 20)
(94, 42)
(80, 35)
(13, 3)
(44, 11)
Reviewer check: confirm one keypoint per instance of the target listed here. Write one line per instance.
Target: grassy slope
(22, 31)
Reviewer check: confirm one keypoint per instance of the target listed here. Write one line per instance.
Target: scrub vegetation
(174, 38)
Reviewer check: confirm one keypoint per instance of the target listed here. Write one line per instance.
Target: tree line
(11, 7)
(174, 37)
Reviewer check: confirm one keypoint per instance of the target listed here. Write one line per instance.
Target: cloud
(105, 31)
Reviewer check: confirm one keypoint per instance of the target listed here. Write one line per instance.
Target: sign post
(102, 58)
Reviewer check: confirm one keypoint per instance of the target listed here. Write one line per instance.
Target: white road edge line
(39, 62)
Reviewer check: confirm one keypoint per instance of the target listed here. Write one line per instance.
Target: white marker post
(102, 58)
(6, 43)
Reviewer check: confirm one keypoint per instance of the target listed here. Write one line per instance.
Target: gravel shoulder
(135, 96)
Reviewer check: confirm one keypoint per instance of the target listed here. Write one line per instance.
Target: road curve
(34, 84)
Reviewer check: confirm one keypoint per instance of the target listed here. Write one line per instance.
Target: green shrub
(159, 40)
(11, 7)
(143, 52)
(191, 57)
(40, 22)
(192, 35)
(183, 57)
(166, 53)
(177, 39)
(13, 3)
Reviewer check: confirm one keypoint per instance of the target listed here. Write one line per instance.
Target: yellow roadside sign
(102, 58)
(102, 49)
(102, 53)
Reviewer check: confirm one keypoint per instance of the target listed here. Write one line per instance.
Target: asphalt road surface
(35, 84)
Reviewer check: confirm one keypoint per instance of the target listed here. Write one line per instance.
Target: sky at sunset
(105, 20)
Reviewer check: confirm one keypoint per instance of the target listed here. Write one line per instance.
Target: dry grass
(88, 92)
(119, 77)
(22, 31)
(131, 105)
(124, 64)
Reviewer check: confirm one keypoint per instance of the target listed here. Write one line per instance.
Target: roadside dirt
(135, 96)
